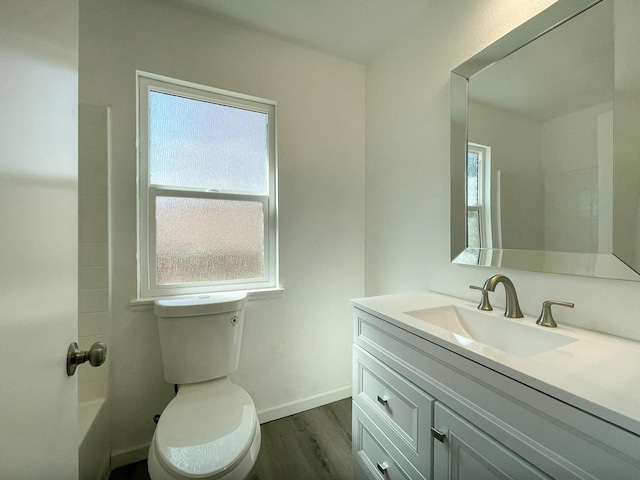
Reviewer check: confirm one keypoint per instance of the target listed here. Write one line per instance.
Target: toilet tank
(200, 335)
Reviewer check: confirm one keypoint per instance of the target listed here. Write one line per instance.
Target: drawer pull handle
(384, 400)
(437, 435)
(382, 467)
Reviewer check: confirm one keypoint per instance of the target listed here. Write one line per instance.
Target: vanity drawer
(378, 338)
(376, 454)
(403, 411)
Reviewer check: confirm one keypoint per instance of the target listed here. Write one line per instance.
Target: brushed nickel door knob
(96, 356)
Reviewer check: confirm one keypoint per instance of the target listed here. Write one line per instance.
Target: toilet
(210, 429)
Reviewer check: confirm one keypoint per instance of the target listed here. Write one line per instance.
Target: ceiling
(356, 30)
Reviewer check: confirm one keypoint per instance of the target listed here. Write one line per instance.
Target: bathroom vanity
(442, 390)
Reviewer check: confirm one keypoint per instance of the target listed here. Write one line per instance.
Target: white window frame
(146, 249)
(484, 192)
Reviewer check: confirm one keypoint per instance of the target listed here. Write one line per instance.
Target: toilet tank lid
(203, 304)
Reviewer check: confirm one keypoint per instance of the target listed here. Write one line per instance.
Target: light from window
(207, 199)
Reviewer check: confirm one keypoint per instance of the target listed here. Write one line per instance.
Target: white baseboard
(125, 456)
(302, 404)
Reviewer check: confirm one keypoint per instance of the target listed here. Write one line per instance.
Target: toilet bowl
(210, 429)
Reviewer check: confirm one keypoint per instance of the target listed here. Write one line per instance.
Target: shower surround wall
(93, 244)
(573, 160)
(297, 344)
(94, 318)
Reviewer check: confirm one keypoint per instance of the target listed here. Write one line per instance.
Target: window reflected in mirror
(479, 225)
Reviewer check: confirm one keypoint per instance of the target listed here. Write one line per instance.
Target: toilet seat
(206, 430)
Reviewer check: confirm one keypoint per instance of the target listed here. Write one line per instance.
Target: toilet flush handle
(96, 356)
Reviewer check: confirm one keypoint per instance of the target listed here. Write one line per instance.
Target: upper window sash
(150, 82)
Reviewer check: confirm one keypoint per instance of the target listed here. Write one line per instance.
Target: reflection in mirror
(539, 150)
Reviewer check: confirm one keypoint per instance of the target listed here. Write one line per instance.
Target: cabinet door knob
(382, 467)
(437, 435)
(383, 400)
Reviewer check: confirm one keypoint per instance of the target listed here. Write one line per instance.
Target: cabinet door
(467, 453)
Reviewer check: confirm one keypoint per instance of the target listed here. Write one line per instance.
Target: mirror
(545, 127)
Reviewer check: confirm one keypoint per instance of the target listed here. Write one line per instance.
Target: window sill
(252, 295)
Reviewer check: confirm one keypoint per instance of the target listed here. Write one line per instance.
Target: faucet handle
(484, 303)
(546, 317)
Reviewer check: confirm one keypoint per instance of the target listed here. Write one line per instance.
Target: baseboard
(302, 404)
(125, 456)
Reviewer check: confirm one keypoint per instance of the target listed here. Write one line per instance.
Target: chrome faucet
(513, 307)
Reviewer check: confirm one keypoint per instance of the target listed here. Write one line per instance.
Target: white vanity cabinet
(423, 411)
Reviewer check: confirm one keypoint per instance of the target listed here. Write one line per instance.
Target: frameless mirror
(545, 167)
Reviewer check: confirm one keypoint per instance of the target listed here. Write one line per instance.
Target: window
(478, 196)
(207, 216)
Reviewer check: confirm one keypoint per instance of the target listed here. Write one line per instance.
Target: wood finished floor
(312, 445)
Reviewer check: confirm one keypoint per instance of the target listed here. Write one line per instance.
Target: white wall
(407, 172)
(297, 345)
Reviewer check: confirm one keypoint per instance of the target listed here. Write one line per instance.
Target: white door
(38, 238)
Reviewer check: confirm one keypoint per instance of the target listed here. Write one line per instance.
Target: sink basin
(509, 336)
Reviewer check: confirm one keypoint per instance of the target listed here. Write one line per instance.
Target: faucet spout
(512, 309)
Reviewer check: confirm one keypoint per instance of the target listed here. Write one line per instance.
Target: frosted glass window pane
(204, 240)
(194, 143)
(473, 229)
(473, 175)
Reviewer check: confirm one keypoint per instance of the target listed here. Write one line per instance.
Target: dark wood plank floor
(312, 445)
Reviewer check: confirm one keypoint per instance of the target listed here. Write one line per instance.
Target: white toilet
(210, 430)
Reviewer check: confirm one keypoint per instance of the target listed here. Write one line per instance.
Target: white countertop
(598, 373)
